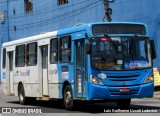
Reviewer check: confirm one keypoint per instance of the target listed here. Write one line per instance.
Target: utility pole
(108, 11)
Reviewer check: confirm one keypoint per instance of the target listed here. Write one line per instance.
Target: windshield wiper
(132, 51)
(132, 46)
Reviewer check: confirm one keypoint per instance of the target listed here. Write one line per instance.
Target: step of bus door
(44, 98)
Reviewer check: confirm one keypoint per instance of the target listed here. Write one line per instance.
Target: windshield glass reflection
(120, 53)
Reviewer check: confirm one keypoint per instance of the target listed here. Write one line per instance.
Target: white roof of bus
(30, 39)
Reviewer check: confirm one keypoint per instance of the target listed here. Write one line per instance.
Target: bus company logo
(134, 64)
(4, 75)
(127, 66)
(16, 73)
(27, 73)
(53, 71)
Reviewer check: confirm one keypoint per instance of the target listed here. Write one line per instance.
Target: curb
(157, 94)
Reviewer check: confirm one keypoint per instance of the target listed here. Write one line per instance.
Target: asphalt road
(145, 106)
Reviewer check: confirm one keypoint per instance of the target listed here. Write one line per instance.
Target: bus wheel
(68, 98)
(124, 103)
(21, 95)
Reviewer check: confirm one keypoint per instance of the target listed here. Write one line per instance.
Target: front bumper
(106, 92)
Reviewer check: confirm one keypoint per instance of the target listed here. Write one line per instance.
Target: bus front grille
(125, 93)
(123, 78)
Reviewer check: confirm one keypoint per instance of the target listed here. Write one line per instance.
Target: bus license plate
(124, 90)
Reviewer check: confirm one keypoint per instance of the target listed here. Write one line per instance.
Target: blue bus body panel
(106, 92)
(122, 79)
(115, 80)
(69, 75)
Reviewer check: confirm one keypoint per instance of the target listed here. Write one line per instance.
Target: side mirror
(153, 50)
(88, 48)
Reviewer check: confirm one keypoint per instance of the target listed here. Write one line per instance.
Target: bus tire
(124, 103)
(68, 98)
(21, 94)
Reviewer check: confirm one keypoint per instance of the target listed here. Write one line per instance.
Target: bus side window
(53, 50)
(4, 58)
(31, 54)
(20, 56)
(65, 49)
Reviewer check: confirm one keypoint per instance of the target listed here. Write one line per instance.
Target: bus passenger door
(44, 52)
(80, 68)
(10, 68)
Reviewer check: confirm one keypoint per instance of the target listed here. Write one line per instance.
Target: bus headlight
(95, 80)
(150, 78)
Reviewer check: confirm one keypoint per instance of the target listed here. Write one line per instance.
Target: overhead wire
(3, 2)
(75, 14)
(46, 10)
(69, 20)
(61, 15)
(58, 18)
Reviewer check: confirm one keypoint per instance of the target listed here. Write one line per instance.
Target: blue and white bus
(97, 61)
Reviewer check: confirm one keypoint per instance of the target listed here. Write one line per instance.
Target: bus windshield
(120, 53)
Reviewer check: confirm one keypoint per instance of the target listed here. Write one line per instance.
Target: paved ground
(90, 109)
(0, 88)
(156, 93)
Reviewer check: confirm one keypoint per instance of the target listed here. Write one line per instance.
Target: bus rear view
(121, 63)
